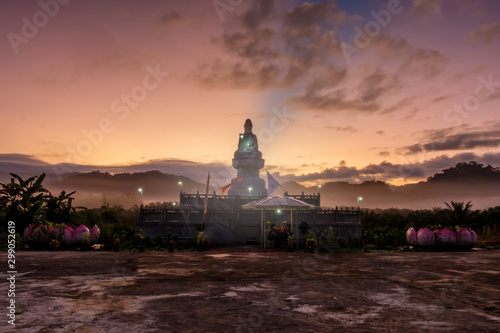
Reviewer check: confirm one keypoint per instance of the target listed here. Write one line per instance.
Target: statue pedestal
(248, 166)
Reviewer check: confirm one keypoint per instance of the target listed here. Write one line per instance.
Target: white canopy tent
(275, 203)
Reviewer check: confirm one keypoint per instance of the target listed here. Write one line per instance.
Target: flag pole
(206, 202)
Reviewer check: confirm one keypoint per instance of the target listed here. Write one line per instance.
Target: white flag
(272, 184)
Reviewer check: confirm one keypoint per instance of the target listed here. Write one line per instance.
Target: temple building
(227, 222)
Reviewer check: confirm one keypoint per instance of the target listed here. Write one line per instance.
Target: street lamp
(140, 191)
(319, 187)
(180, 183)
(249, 191)
(359, 199)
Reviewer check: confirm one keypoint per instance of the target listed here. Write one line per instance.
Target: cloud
(266, 51)
(442, 140)
(256, 45)
(426, 8)
(258, 12)
(301, 49)
(306, 21)
(335, 101)
(387, 171)
(384, 153)
(222, 173)
(171, 18)
(342, 129)
(425, 62)
(487, 32)
(375, 85)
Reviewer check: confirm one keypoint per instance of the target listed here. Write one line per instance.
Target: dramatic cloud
(487, 32)
(442, 140)
(387, 171)
(296, 47)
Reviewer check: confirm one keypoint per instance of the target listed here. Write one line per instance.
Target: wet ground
(248, 290)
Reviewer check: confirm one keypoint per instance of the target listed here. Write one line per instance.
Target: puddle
(307, 309)
(231, 294)
(251, 287)
(219, 255)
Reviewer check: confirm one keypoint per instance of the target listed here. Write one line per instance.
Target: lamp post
(249, 191)
(180, 184)
(359, 199)
(319, 187)
(140, 191)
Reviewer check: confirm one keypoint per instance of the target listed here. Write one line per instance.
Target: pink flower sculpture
(411, 236)
(40, 233)
(81, 232)
(473, 237)
(28, 232)
(94, 234)
(448, 237)
(68, 235)
(55, 231)
(464, 238)
(425, 238)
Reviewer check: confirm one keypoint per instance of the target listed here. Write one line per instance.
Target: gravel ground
(246, 289)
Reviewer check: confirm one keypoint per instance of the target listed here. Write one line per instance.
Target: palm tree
(421, 218)
(458, 213)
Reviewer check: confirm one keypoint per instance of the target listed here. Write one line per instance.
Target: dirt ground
(246, 289)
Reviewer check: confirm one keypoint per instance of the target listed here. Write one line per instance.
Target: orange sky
(407, 102)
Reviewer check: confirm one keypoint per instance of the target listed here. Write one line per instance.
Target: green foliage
(384, 237)
(458, 213)
(60, 209)
(28, 202)
(22, 200)
(114, 222)
(304, 227)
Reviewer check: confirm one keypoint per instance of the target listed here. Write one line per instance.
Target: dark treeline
(387, 227)
(29, 202)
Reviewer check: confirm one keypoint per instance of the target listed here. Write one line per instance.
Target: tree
(458, 213)
(304, 228)
(421, 218)
(60, 209)
(22, 200)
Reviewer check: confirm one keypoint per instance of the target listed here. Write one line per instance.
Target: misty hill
(94, 187)
(464, 182)
(467, 172)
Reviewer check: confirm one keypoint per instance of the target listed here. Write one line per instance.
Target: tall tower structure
(248, 161)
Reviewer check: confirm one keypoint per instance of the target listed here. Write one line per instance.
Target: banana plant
(22, 200)
(59, 209)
